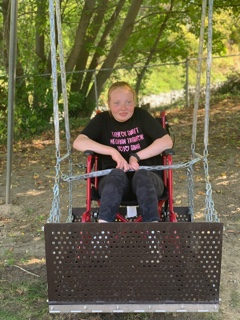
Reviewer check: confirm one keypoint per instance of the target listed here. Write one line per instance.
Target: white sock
(102, 221)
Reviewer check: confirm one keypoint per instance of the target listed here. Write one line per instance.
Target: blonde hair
(121, 84)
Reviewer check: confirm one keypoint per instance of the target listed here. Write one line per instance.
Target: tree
(100, 35)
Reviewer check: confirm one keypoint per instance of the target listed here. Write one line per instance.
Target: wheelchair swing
(172, 266)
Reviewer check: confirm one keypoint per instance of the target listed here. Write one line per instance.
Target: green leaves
(99, 36)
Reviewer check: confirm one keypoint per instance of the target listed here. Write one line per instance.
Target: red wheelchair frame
(165, 204)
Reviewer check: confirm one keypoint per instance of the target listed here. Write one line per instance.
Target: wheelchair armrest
(88, 152)
(169, 152)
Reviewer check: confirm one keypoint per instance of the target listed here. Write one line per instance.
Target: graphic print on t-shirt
(127, 141)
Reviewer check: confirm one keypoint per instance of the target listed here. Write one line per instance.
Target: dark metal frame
(128, 267)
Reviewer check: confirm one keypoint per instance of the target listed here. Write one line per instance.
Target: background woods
(100, 39)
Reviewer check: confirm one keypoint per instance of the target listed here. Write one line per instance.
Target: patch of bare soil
(22, 251)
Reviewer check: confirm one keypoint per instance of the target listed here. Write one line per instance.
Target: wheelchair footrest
(183, 214)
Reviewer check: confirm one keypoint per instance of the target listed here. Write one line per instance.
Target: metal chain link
(190, 184)
(65, 104)
(70, 194)
(209, 203)
(199, 72)
(55, 210)
(190, 177)
(210, 212)
(101, 173)
(55, 214)
(190, 171)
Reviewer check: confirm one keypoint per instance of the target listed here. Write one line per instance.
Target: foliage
(99, 37)
(232, 85)
(3, 111)
(77, 104)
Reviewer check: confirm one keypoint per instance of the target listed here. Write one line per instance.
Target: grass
(235, 299)
(23, 299)
(9, 259)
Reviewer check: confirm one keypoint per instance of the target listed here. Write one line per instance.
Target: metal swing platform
(133, 267)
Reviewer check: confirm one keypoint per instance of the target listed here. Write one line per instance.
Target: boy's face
(121, 104)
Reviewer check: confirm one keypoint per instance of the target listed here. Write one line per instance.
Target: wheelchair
(129, 210)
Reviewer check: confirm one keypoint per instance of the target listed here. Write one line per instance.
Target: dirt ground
(22, 252)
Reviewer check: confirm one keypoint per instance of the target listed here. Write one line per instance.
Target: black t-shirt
(130, 136)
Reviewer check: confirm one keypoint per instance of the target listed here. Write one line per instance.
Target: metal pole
(11, 95)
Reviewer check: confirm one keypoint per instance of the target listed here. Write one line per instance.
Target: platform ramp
(133, 267)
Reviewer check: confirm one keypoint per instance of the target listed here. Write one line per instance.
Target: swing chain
(54, 215)
(104, 172)
(65, 104)
(210, 212)
(55, 210)
(70, 196)
(190, 180)
(193, 146)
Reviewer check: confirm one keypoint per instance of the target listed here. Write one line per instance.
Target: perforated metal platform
(133, 267)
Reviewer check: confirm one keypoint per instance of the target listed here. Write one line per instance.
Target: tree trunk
(90, 39)
(40, 37)
(80, 34)
(115, 50)
(102, 43)
(153, 49)
(21, 92)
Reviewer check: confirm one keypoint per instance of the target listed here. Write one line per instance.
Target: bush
(231, 86)
(3, 111)
(77, 105)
